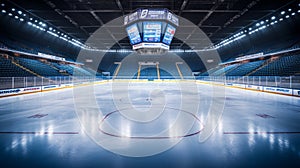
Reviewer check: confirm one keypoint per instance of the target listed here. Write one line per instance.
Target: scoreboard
(151, 28)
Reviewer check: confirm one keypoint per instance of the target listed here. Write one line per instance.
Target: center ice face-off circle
(120, 95)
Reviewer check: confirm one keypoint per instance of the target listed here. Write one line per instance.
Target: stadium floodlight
(298, 11)
(289, 9)
(16, 17)
(257, 24)
(50, 28)
(283, 12)
(35, 21)
(273, 17)
(30, 19)
(262, 22)
(287, 16)
(293, 14)
(280, 19)
(13, 9)
(21, 19)
(10, 14)
(267, 20)
(24, 14)
(20, 12)
(250, 28)
(3, 11)
(29, 23)
(272, 23)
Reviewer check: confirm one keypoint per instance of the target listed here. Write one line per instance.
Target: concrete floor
(46, 130)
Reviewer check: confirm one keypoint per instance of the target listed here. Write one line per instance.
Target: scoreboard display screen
(151, 31)
(169, 34)
(133, 34)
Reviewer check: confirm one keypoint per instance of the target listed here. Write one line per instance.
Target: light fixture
(290, 10)
(13, 9)
(257, 24)
(280, 19)
(283, 12)
(30, 19)
(2, 4)
(293, 14)
(21, 19)
(3, 11)
(273, 17)
(16, 17)
(10, 14)
(24, 14)
(287, 16)
(20, 12)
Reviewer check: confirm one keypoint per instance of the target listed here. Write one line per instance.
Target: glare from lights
(29, 23)
(24, 14)
(30, 19)
(2, 4)
(267, 20)
(21, 19)
(3, 11)
(293, 14)
(298, 11)
(20, 12)
(287, 16)
(13, 9)
(35, 21)
(16, 17)
(280, 19)
(257, 24)
(290, 10)
(10, 14)
(262, 22)
(283, 12)
(50, 28)
(276, 21)
(250, 28)
(273, 17)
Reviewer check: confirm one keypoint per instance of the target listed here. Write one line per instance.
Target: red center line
(261, 132)
(41, 133)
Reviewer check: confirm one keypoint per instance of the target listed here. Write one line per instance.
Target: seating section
(245, 68)
(149, 73)
(284, 66)
(224, 70)
(10, 70)
(210, 71)
(165, 75)
(38, 67)
(73, 70)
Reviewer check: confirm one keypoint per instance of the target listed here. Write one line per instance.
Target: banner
(17, 91)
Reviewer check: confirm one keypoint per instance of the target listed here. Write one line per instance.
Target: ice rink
(48, 129)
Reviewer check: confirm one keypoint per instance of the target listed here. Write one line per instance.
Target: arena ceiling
(217, 18)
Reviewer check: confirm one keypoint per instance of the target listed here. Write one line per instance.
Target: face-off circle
(199, 128)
